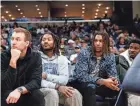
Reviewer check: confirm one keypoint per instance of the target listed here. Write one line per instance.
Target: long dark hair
(56, 42)
(105, 36)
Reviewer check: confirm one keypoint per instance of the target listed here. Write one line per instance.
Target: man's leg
(88, 92)
(133, 100)
(107, 92)
(36, 98)
(51, 96)
(23, 100)
(75, 100)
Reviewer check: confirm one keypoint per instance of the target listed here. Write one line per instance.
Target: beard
(132, 56)
(48, 49)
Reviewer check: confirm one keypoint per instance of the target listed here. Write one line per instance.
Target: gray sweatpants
(53, 98)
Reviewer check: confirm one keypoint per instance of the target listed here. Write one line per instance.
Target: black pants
(35, 98)
(89, 93)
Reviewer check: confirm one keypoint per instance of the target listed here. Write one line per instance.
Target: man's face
(47, 42)
(77, 50)
(101, 26)
(18, 41)
(3, 42)
(134, 49)
(111, 42)
(122, 40)
(98, 43)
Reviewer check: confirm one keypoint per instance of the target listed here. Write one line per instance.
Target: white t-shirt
(73, 56)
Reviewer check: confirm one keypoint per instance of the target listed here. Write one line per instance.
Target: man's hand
(74, 61)
(67, 91)
(15, 54)
(44, 75)
(116, 82)
(13, 97)
(111, 83)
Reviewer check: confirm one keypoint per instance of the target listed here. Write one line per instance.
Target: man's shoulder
(62, 59)
(35, 54)
(5, 54)
(86, 51)
(109, 57)
(125, 53)
(121, 60)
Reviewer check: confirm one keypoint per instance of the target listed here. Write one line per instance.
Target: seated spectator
(121, 42)
(78, 32)
(74, 56)
(121, 50)
(136, 19)
(77, 41)
(62, 45)
(55, 75)
(95, 71)
(42, 30)
(86, 27)
(72, 34)
(130, 54)
(101, 27)
(2, 48)
(15, 25)
(3, 41)
(87, 39)
(113, 48)
(84, 44)
(21, 72)
(69, 49)
(39, 30)
(116, 31)
(108, 27)
(133, 36)
(126, 34)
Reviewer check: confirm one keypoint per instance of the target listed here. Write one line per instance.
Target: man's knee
(50, 93)
(75, 100)
(38, 97)
(77, 94)
(90, 90)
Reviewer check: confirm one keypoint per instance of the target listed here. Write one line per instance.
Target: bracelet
(101, 81)
(57, 86)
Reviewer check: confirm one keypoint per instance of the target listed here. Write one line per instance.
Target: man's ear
(54, 45)
(27, 43)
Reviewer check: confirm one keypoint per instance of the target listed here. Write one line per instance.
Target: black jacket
(27, 74)
(122, 66)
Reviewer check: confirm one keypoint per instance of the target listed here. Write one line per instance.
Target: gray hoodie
(56, 68)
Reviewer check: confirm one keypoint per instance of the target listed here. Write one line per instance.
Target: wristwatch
(20, 89)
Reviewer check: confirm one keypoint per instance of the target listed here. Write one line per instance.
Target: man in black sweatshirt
(21, 70)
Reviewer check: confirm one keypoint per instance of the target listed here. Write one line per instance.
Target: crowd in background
(75, 34)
